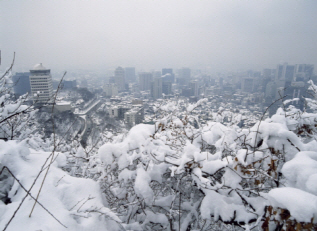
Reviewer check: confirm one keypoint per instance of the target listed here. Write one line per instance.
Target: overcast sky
(151, 34)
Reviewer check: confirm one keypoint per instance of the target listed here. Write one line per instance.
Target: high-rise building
(303, 72)
(166, 88)
(145, 79)
(156, 88)
(130, 75)
(194, 88)
(120, 78)
(268, 73)
(168, 74)
(248, 84)
(157, 74)
(184, 76)
(41, 84)
(21, 83)
(285, 72)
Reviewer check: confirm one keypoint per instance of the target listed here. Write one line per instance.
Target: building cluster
(38, 82)
(132, 112)
(130, 95)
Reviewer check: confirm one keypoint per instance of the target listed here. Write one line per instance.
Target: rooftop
(39, 67)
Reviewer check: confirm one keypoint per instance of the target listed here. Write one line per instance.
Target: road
(87, 125)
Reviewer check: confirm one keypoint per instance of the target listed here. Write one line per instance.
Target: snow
(302, 205)
(178, 168)
(142, 188)
(76, 202)
(301, 171)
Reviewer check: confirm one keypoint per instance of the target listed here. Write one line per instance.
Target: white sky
(151, 34)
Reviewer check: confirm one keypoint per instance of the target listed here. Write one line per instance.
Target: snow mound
(76, 203)
(302, 205)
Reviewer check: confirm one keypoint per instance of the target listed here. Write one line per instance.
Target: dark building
(296, 90)
(303, 72)
(167, 88)
(70, 84)
(21, 83)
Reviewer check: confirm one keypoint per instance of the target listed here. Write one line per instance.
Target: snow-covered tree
(14, 113)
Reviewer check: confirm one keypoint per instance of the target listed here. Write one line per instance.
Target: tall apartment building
(145, 79)
(41, 84)
(120, 78)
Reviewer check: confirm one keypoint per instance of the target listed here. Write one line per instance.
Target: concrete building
(247, 84)
(303, 72)
(41, 84)
(285, 72)
(145, 79)
(120, 78)
(168, 74)
(69, 84)
(167, 88)
(130, 74)
(63, 106)
(156, 88)
(184, 76)
(134, 116)
(110, 89)
(194, 88)
(21, 83)
(119, 111)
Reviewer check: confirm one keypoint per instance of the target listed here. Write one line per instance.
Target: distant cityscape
(128, 95)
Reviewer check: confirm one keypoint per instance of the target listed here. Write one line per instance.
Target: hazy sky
(151, 34)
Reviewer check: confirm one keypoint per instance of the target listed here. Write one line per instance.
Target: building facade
(110, 89)
(145, 79)
(41, 84)
(119, 76)
(156, 88)
(130, 74)
(21, 83)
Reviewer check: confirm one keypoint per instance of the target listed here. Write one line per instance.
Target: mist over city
(158, 115)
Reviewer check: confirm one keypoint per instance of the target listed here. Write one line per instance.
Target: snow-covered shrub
(181, 175)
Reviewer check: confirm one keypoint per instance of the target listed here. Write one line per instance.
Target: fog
(151, 34)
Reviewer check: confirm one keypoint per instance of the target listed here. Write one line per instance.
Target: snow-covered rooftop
(39, 66)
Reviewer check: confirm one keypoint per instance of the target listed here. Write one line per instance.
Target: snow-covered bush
(65, 203)
(181, 175)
